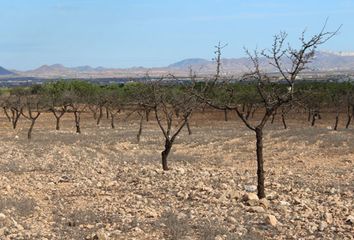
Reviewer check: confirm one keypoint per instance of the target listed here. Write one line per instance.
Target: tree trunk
(7, 114)
(225, 115)
(58, 117)
(147, 113)
(273, 117)
(112, 121)
(260, 161)
(348, 122)
(188, 128)
(336, 122)
(253, 112)
(107, 113)
(29, 134)
(77, 121)
(283, 121)
(309, 116)
(314, 116)
(140, 128)
(57, 127)
(349, 117)
(94, 114)
(99, 116)
(15, 117)
(165, 153)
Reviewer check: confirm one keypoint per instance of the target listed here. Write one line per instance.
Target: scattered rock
(233, 194)
(63, 179)
(250, 188)
(333, 190)
(329, 218)
(350, 219)
(218, 237)
(264, 203)
(284, 203)
(101, 235)
(271, 220)
(256, 209)
(151, 213)
(181, 170)
(2, 216)
(231, 220)
(322, 226)
(272, 196)
(250, 196)
(102, 171)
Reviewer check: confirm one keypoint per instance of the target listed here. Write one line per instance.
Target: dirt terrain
(102, 184)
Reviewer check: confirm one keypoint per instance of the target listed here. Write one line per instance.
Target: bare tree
(33, 108)
(166, 101)
(272, 95)
(77, 108)
(113, 104)
(58, 113)
(13, 105)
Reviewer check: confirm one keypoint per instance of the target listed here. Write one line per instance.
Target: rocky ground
(102, 184)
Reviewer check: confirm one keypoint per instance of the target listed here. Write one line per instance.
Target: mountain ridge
(323, 61)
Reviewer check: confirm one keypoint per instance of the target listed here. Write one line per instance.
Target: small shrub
(177, 228)
(23, 207)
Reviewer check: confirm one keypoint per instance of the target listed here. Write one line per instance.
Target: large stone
(272, 196)
(264, 203)
(350, 219)
(271, 220)
(250, 188)
(233, 194)
(256, 209)
(284, 203)
(250, 196)
(231, 220)
(329, 218)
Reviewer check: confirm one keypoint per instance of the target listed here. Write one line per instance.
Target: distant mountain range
(323, 62)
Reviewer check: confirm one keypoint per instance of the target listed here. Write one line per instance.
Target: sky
(150, 33)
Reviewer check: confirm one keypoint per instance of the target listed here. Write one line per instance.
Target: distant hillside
(186, 63)
(3, 71)
(323, 61)
(333, 61)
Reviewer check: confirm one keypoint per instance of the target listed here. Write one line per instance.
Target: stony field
(102, 184)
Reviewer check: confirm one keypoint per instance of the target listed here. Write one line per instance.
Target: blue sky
(117, 33)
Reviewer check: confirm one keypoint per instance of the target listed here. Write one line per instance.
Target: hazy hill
(4, 71)
(186, 63)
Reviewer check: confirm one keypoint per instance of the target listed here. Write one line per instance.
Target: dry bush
(176, 228)
(11, 166)
(67, 223)
(209, 230)
(23, 207)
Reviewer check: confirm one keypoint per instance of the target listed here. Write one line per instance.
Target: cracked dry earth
(102, 184)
